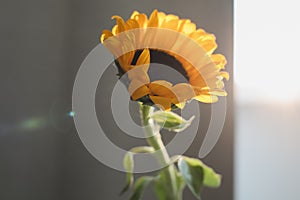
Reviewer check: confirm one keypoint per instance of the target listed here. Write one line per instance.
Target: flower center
(164, 67)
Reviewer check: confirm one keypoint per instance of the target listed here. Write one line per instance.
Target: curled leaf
(128, 163)
(128, 166)
(196, 175)
(140, 186)
(171, 121)
(192, 174)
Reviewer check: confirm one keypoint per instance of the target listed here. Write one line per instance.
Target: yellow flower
(140, 41)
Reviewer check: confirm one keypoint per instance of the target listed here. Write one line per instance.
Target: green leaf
(171, 121)
(196, 174)
(128, 166)
(128, 163)
(160, 188)
(140, 186)
(192, 174)
(143, 149)
(179, 182)
(211, 178)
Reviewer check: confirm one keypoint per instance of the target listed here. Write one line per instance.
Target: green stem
(154, 140)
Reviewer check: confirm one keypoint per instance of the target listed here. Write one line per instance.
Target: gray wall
(42, 46)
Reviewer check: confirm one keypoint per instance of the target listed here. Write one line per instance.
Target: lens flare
(71, 114)
(33, 124)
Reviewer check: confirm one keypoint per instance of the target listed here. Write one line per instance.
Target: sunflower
(140, 41)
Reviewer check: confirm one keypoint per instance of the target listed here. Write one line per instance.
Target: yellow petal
(209, 46)
(137, 89)
(181, 24)
(201, 35)
(162, 102)
(105, 34)
(153, 20)
(219, 60)
(225, 75)
(161, 17)
(120, 22)
(220, 84)
(144, 58)
(142, 20)
(163, 83)
(195, 78)
(186, 26)
(170, 17)
(206, 98)
(114, 29)
(161, 88)
(113, 45)
(207, 41)
(207, 91)
(140, 73)
(183, 91)
(180, 105)
(189, 27)
(209, 68)
(172, 24)
(200, 30)
(218, 92)
(134, 13)
(131, 24)
(125, 60)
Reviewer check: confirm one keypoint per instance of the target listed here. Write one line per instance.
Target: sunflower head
(163, 38)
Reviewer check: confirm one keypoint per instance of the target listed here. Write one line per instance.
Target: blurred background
(267, 100)
(43, 44)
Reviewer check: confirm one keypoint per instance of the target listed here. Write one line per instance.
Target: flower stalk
(155, 141)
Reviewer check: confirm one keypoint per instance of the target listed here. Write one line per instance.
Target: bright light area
(267, 111)
(267, 53)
